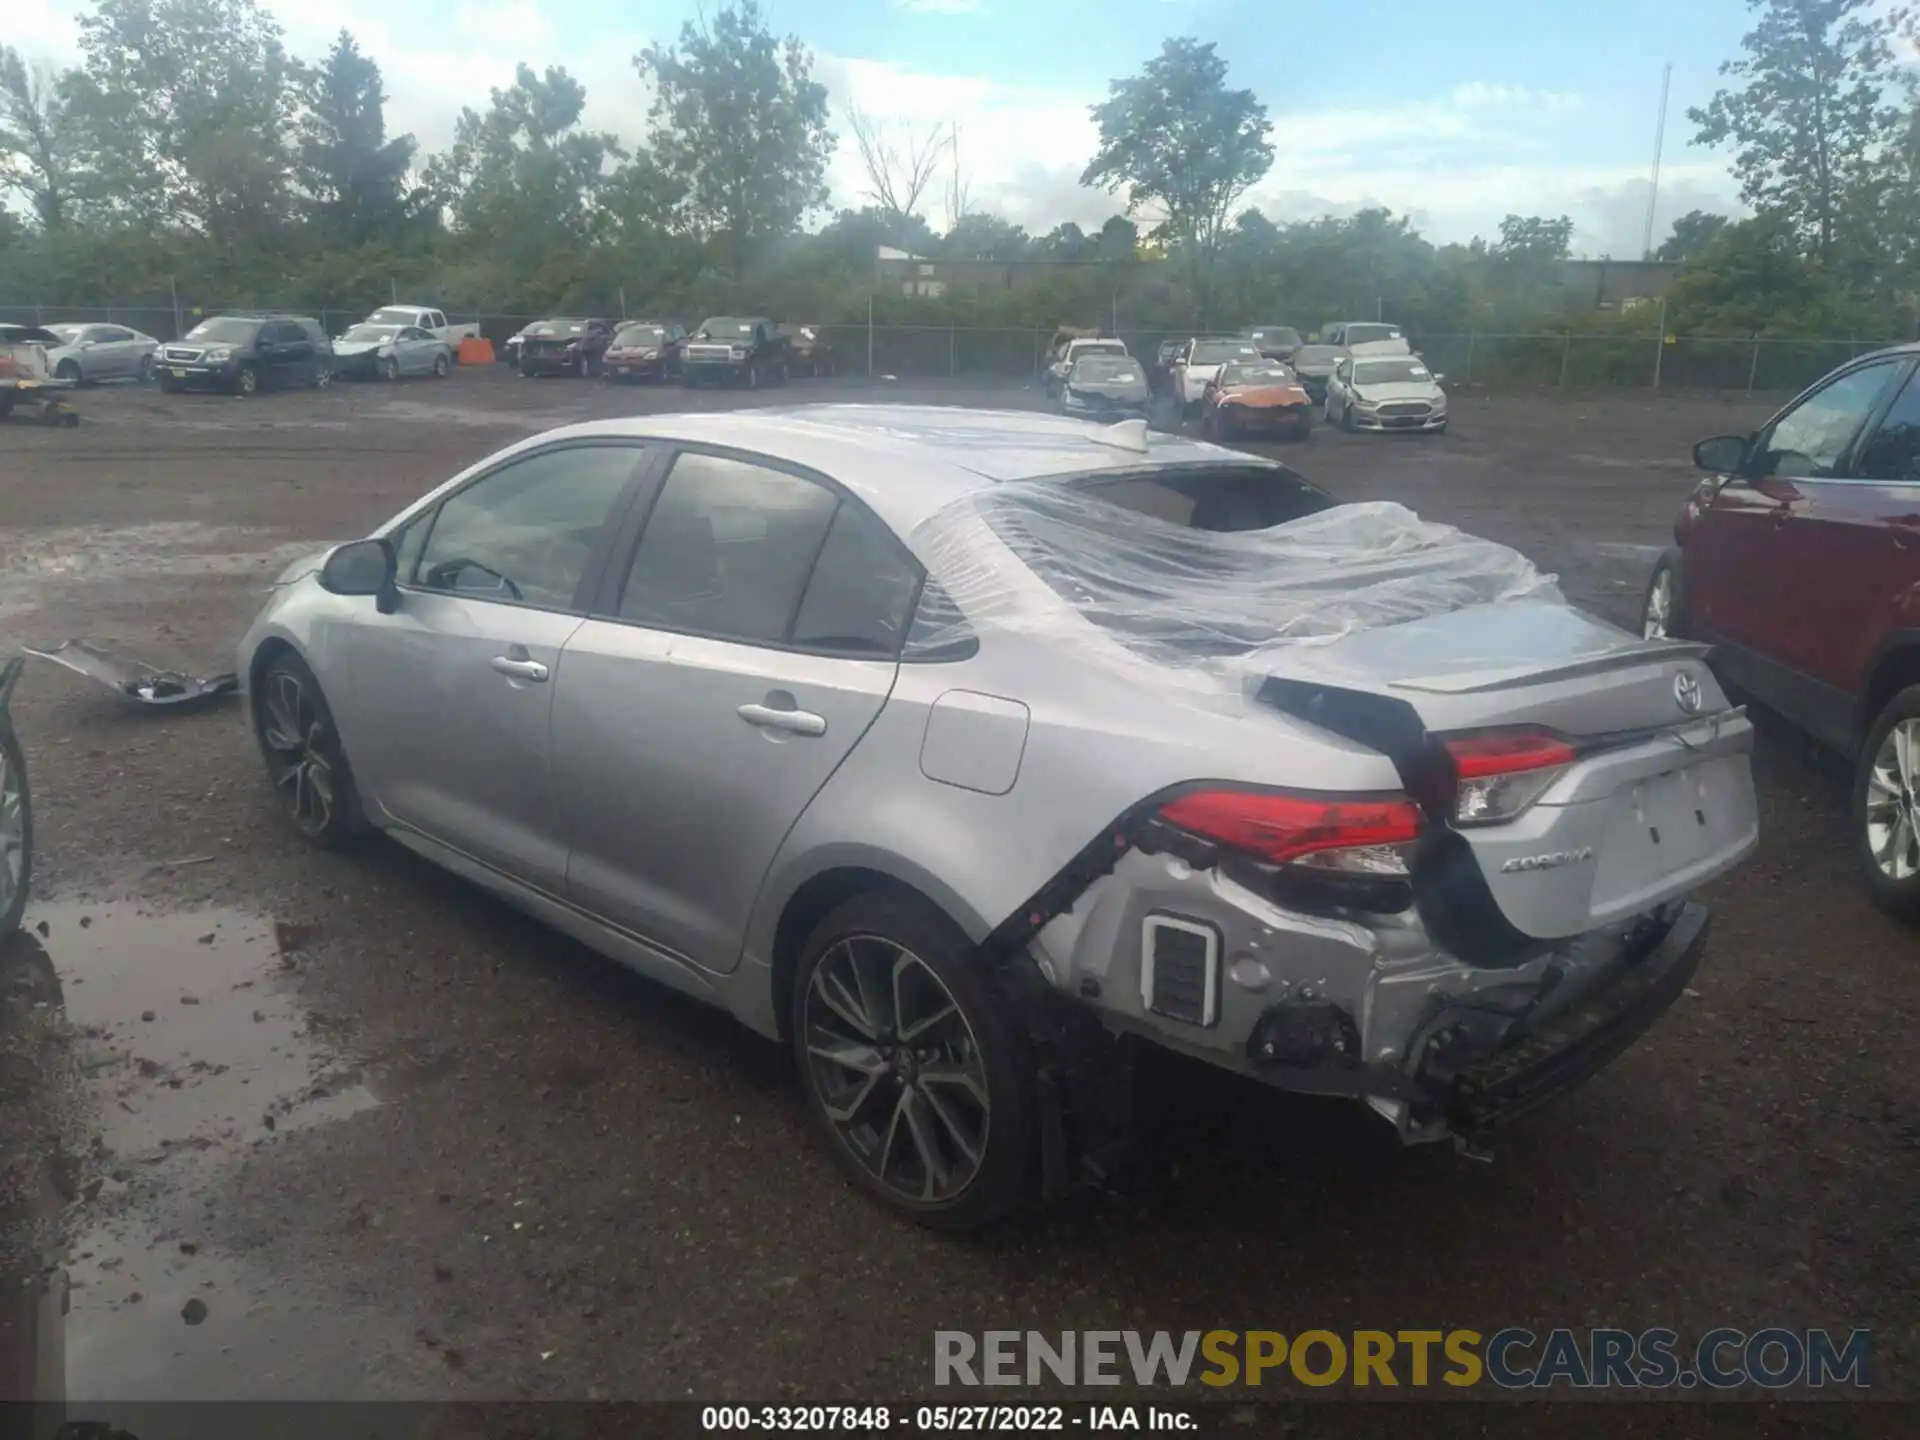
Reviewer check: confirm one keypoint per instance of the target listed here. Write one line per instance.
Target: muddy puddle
(142, 1055)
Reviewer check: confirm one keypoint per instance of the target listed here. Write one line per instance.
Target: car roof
(908, 461)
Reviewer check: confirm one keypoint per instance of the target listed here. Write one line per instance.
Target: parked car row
(747, 350)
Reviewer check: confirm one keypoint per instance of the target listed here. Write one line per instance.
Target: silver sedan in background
(947, 746)
(101, 352)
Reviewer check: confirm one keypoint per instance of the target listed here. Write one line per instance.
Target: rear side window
(862, 587)
(727, 550)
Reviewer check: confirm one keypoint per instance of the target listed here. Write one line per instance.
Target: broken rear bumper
(1473, 1066)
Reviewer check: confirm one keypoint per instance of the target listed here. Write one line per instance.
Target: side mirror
(364, 567)
(1721, 454)
(1438, 377)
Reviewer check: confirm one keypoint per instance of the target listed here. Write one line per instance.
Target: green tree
(1118, 238)
(39, 160)
(1754, 279)
(739, 121)
(1809, 116)
(524, 178)
(356, 178)
(187, 108)
(983, 236)
(1182, 146)
(1533, 239)
(1692, 233)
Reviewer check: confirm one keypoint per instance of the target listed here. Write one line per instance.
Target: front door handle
(519, 669)
(794, 722)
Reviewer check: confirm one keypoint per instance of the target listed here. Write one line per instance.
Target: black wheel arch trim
(1901, 643)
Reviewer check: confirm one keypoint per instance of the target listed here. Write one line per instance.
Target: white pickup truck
(434, 321)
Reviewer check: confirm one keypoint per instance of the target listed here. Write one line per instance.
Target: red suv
(1798, 560)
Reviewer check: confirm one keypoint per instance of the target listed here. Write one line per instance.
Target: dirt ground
(316, 1125)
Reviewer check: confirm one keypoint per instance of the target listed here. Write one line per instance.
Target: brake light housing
(1499, 774)
(1368, 835)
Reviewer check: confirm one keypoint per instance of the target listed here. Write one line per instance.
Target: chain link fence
(1485, 359)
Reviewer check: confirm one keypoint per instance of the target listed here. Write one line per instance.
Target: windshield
(68, 333)
(1107, 370)
(391, 316)
(1096, 347)
(725, 327)
(1255, 375)
(1315, 355)
(1219, 352)
(640, 335)
(1370, 334)
(225, 331)
(557, 327)
(1390, 372)
(1281, 337)
(371, 333)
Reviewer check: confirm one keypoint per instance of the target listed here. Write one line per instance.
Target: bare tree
(36, 139)
(959, 182)
(898, 174)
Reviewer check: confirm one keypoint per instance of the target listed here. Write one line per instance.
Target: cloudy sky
(1456, 115)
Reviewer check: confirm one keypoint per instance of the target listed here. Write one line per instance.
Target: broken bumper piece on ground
(135, 679)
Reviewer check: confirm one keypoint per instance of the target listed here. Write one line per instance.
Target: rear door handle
(519, 669)
(794, 722)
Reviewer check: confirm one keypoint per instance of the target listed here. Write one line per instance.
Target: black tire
(1346, 419)
(324, 806)
(440, 367)
(246, 381)
(753, 377)
(1667, 569)
(169, 385)
(985, 1032)
(15, 765)
(390, 368)
(1898, 895)
(322, 377)
(145, 372)
(67, 370)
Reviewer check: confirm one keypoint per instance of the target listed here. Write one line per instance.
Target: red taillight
(1506, 752)
(1502, 772)
(1284, 828)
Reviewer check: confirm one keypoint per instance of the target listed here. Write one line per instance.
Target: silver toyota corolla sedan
(965, 751)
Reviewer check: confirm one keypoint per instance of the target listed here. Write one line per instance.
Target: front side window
(524, 533)
(1810, 441)
(1894, 451)
(727, 550)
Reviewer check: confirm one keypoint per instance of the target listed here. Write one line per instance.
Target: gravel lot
(397, 1141)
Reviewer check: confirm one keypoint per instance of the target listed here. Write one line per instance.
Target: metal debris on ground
(135, 679)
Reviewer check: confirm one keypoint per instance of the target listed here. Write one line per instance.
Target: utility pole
(1659, 144)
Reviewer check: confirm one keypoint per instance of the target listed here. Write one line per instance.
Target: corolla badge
(1552, 860)
(1686, 693)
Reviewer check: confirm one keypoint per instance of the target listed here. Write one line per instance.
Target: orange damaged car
(1252, 397)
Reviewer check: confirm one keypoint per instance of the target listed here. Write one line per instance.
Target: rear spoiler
(1572, 670)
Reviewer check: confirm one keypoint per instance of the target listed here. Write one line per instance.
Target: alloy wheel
(897, 1069)
(13, 831)
(1654, 625)
(249, 380)
(1892, 808)
(296, 735)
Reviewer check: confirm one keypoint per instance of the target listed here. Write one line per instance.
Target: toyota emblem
(1686, 693)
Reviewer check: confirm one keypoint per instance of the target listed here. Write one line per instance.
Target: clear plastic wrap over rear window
(1197, 573)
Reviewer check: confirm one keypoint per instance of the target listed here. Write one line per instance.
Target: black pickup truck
(735, 350)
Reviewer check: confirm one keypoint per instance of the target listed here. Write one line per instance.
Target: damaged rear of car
(1393, 822)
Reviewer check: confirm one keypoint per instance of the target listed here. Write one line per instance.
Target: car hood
(350, 348)
(1111, 389)
(1263, 396)
(1400, 390)
(303, 567)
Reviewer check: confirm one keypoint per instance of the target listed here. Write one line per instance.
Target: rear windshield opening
(1223, 501)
